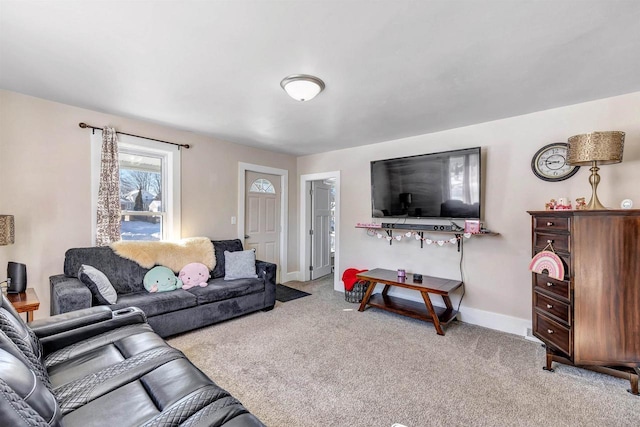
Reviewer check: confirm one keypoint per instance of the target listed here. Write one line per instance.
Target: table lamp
(593, 149)
(7, 237)
(7, 230)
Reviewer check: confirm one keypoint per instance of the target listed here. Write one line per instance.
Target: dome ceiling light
(302, 87)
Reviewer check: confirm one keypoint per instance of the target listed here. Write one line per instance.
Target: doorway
(306, 224)
(272, 245)
(322, 228)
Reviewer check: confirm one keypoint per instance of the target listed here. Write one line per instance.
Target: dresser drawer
(560, 288)
(553, 307)
(552, 333)
(560, 242)
(551, 223)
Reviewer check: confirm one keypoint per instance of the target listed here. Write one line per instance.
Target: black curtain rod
(84, 126)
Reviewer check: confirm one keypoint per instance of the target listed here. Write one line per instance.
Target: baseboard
(529, 336)
(499, 322)
(290, 276)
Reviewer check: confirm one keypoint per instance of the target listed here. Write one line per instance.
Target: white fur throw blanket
(174, 255)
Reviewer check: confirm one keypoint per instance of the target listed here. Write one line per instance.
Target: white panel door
(320, 229)
(262, 217)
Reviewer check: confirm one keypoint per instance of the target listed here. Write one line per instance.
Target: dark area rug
(285, 293)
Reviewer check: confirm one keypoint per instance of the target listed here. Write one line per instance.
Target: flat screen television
(437, 185)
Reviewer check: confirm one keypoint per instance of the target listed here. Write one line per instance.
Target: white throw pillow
(98, 284)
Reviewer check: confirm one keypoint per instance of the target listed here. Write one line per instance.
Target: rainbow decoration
(547, 260)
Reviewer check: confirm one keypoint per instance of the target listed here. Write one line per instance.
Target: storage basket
(357, 293)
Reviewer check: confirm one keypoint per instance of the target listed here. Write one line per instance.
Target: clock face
(550, 163)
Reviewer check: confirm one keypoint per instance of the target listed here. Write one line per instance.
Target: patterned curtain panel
(108, 226)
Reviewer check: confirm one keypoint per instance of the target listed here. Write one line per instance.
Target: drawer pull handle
(549, 241)
(549, 331)
(549, 284)
(549, 306)
(549, 224)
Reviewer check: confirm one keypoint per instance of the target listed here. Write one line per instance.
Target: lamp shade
(7, 230)
(602, 147)
(302, 87)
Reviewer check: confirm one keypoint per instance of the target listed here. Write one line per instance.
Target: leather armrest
(71, 320)
(116, 319)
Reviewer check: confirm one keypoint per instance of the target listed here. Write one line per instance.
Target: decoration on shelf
(471, 226)
(626, 204)
(375, 232)
(548, 260)
(562, 204)
(368, 225)
(581, 204)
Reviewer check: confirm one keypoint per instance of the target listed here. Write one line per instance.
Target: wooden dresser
(591, 318)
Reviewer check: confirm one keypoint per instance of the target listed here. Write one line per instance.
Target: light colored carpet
(317, 361)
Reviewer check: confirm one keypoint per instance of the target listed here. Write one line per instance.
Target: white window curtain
(108, 214)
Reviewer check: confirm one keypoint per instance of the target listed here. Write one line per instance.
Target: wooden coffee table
(430, 285)
(25, 302)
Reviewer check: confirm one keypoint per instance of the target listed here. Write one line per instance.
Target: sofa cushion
(168, 395)
(99, 285)
(219, 247)
(157, 303)
(126, 276)
(219, 290)
(240, 265)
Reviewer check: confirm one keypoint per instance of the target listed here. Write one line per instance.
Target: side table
(25, 302)
(428, 285)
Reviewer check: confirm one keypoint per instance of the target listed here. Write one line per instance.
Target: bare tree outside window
(141, 197)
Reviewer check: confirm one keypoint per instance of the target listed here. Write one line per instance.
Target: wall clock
(550, 163)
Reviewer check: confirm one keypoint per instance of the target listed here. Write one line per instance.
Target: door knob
(246, 236)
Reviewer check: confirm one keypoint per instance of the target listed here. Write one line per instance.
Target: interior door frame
(284, 202)
(305, 225)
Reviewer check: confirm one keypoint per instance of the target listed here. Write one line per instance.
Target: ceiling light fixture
(302, 87)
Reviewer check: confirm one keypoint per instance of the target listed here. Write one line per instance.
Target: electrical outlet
(233, 220)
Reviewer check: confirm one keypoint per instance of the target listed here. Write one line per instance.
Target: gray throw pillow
(240, 264)
(98, 284)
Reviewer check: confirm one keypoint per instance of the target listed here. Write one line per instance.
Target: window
(149, 188)
(262, 185)
(141, 185)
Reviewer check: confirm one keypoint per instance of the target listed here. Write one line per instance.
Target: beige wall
(44, 165)
(45, 183)
(498, 289)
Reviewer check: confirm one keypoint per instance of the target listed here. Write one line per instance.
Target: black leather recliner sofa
(98, 367)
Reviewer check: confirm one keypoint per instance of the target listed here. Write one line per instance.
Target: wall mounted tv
(437, 185)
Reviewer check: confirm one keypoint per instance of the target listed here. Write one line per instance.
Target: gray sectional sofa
(168, 313)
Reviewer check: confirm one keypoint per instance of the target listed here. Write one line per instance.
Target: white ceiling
(392, 68)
